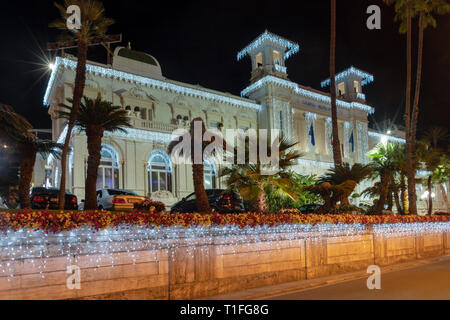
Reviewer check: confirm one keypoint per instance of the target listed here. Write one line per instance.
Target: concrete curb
(285, 288)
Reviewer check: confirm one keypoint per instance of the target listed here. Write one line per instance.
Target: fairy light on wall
(157, 84)
(366, 77)
(102, 247)
(304, 92)
(292, 47)
(384, 137)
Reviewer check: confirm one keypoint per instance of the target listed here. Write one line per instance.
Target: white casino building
(139, 161)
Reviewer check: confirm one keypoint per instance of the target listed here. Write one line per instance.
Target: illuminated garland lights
(361, 96)
(101, 243)
(107, 72)
(366, 77)
(306, 93)
(387, 137)
(280, 68)
(292, 47)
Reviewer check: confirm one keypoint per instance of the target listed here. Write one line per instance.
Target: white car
(117, 199)
(2, 204)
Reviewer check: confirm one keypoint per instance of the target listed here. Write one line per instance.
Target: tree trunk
(384, 191)
(398, 204)
(260, 205)
(27, 160)
(444, 195)
(336, 143)
(430, 198)
(80, 79)
(199, 188)
(409, 147)
(94, 143)
(415, 112)
(403, 193)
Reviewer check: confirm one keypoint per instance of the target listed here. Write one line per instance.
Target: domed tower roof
(137, 62)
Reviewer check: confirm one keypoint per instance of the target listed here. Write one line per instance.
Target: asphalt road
(431, 281)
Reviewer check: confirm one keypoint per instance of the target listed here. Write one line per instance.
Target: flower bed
(54, 222)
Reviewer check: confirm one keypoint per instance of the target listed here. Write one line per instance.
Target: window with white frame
(209, 174)
(159, 172)
(108, 171)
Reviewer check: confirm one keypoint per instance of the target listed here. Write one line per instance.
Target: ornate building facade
(138, 160)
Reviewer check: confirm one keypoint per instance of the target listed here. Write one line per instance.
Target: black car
(310, 208)
(47, 198)
(219, 200)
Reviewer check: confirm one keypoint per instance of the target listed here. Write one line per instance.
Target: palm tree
(342, 173)
(95, 117)
(336, 143)
(17, 130)
(251, 180)
(425, 8)
(197, 166)
(441, 176)
(404, 13)
(384, 166)
(93, 24)
(430, 154)
(431, 158)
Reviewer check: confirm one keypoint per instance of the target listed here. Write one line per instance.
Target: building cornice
(186, 90)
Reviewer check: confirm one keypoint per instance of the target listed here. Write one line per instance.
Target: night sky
(197, 42)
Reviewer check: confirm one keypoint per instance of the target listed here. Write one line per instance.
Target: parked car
(219, 200)
(310, 208)
(117, 199)
(48, 198)
(3, 204)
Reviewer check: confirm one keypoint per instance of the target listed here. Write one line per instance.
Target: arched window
(209, 174)
(159, 172)
(108, 171)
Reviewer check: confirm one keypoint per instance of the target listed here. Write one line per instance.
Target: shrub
(150, 206)
(277, 202)
(289, 211)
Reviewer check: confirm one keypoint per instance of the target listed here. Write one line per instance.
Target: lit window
(209, 175)
(108, 171)
(276, 57)
(259, 62)
(159, 172)
(356, 86)
(341, 88)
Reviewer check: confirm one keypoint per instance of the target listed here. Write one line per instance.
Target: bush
(277, 202)
(345, 209)
(289, 211)
(150, 206)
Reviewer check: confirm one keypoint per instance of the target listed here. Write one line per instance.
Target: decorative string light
(303, 92)
(366, 77)
(386, 137)
(292, 47)
(102, 247)
(158, 84)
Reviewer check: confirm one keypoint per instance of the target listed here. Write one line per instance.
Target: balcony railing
(152, 125)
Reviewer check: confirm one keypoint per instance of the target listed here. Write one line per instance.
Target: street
(431, 281)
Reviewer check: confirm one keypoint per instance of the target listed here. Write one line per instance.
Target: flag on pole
(352, 142)
(311, 133)
(331, 139)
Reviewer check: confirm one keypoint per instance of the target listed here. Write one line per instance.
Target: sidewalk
(280, 289)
